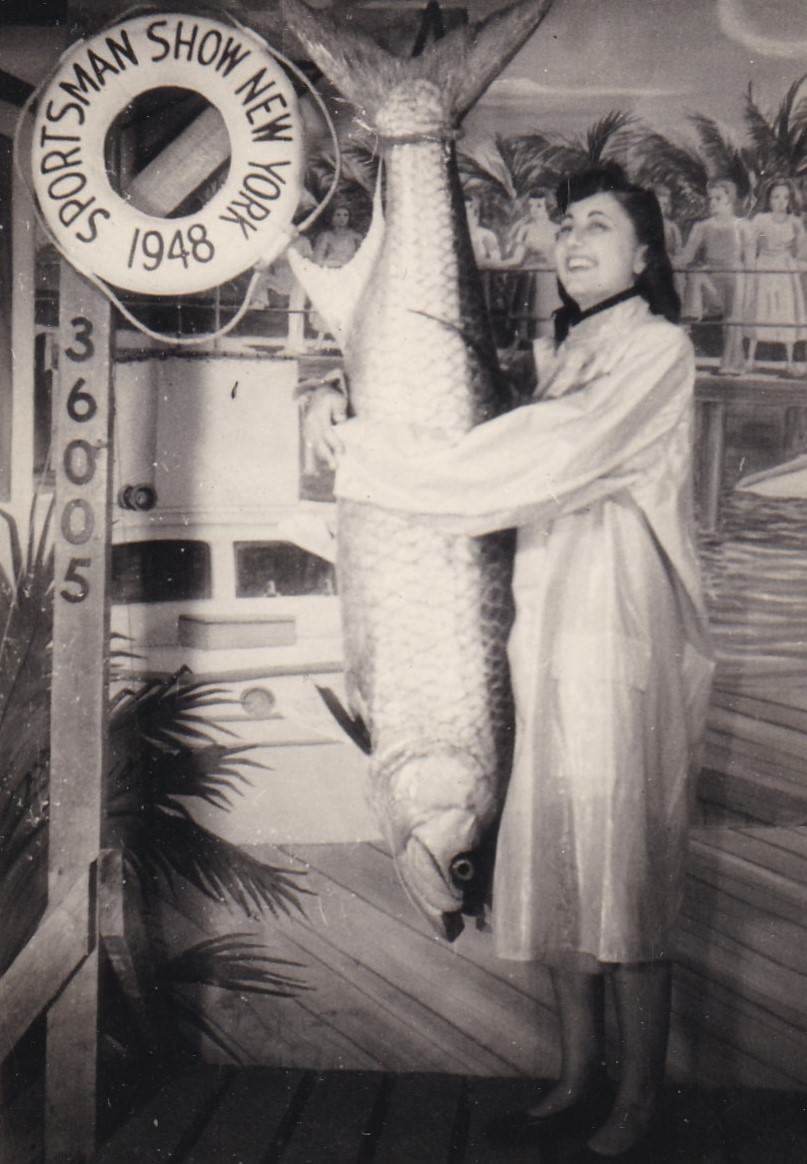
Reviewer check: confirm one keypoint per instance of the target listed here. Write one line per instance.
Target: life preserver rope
(249, 219)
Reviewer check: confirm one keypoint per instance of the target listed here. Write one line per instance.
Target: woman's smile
(597, 251)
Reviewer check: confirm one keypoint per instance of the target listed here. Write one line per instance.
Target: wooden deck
(264, 1116)
(386, 995)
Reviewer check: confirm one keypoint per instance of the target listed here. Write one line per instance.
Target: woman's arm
(537, 462)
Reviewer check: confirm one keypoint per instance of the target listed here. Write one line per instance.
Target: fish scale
(426, 615)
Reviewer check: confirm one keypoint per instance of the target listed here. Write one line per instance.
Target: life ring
(102, 233)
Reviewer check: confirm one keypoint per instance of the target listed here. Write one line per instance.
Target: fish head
(436, 810)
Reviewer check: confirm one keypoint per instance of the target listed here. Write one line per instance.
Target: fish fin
(353, 726)
(494, 43)
(336, 291)
(462, 63)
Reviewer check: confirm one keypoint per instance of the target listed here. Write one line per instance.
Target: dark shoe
(583, 1118)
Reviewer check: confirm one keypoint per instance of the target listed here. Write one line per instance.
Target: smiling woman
(595, 474)
(597, 251)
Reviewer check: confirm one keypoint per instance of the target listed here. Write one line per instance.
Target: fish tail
(462, 63)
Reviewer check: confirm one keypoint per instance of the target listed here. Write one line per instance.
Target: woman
(719, 242)
(532, 244)
(336, 246)
(609, 653)
(776, 310)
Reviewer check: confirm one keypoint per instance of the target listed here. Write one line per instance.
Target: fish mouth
(435, 873)
(436, 805)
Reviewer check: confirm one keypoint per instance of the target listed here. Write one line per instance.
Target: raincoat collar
(608, 319)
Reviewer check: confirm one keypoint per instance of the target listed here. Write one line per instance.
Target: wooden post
(82, 413)
(710, 475)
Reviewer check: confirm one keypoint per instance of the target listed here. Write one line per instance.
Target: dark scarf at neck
(577, 316)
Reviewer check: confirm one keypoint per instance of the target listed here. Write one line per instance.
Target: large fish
(425, 615)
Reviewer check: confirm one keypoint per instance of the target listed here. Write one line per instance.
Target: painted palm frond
(659, 160)
(166, 713)
(606, 135)
(167, 847)
(607, 139)
(779, 142)
(485, 172)
(212, 774)
(234, 962)
(237, 961)
(360, 162)
(724, 157)
(524, 154)
(503, 171)
(199, 1021)
(26, 623)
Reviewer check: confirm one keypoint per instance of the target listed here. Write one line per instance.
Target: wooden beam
(125, 942)
(710, 475)
(62, 941)
(82, 411)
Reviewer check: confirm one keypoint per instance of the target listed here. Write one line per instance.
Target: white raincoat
(610, 653)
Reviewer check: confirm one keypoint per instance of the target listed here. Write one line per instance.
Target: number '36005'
(79, 462)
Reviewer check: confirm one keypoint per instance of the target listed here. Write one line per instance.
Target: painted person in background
(338, 244)
(334, 246)
(673, 239)
(775, 307)
(531, 243)
(484, 241)
(610, 652)
(718, 245)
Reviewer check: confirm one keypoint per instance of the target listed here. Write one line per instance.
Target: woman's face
(779, 199)
(719, 201)
(538, 208)
(341, 217)
(597, 251)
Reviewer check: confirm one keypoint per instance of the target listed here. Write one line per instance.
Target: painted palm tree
(501, 171)
(162, 758)
(607, 139)
(686, 167)
(356, 174)
(504, 171)
(779, 141)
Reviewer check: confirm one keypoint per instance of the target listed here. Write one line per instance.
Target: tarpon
(425, 615)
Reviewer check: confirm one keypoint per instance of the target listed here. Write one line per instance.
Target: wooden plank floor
(386, 995)
(265, 1116)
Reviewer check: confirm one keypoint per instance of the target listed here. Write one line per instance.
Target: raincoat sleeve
(539, 461)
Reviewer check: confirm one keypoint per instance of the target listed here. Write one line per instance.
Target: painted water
(755, 572)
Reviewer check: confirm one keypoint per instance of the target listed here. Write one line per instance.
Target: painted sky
(659, 58)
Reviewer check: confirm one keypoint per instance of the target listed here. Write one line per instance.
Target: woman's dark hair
(793, 206)
(655, 284)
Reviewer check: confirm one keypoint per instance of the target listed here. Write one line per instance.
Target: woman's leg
(642, 999)
(580, 1006)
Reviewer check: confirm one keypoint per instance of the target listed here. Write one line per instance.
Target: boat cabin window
(160, 571)
(269, 569)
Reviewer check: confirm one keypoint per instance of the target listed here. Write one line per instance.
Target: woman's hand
(326, 410)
